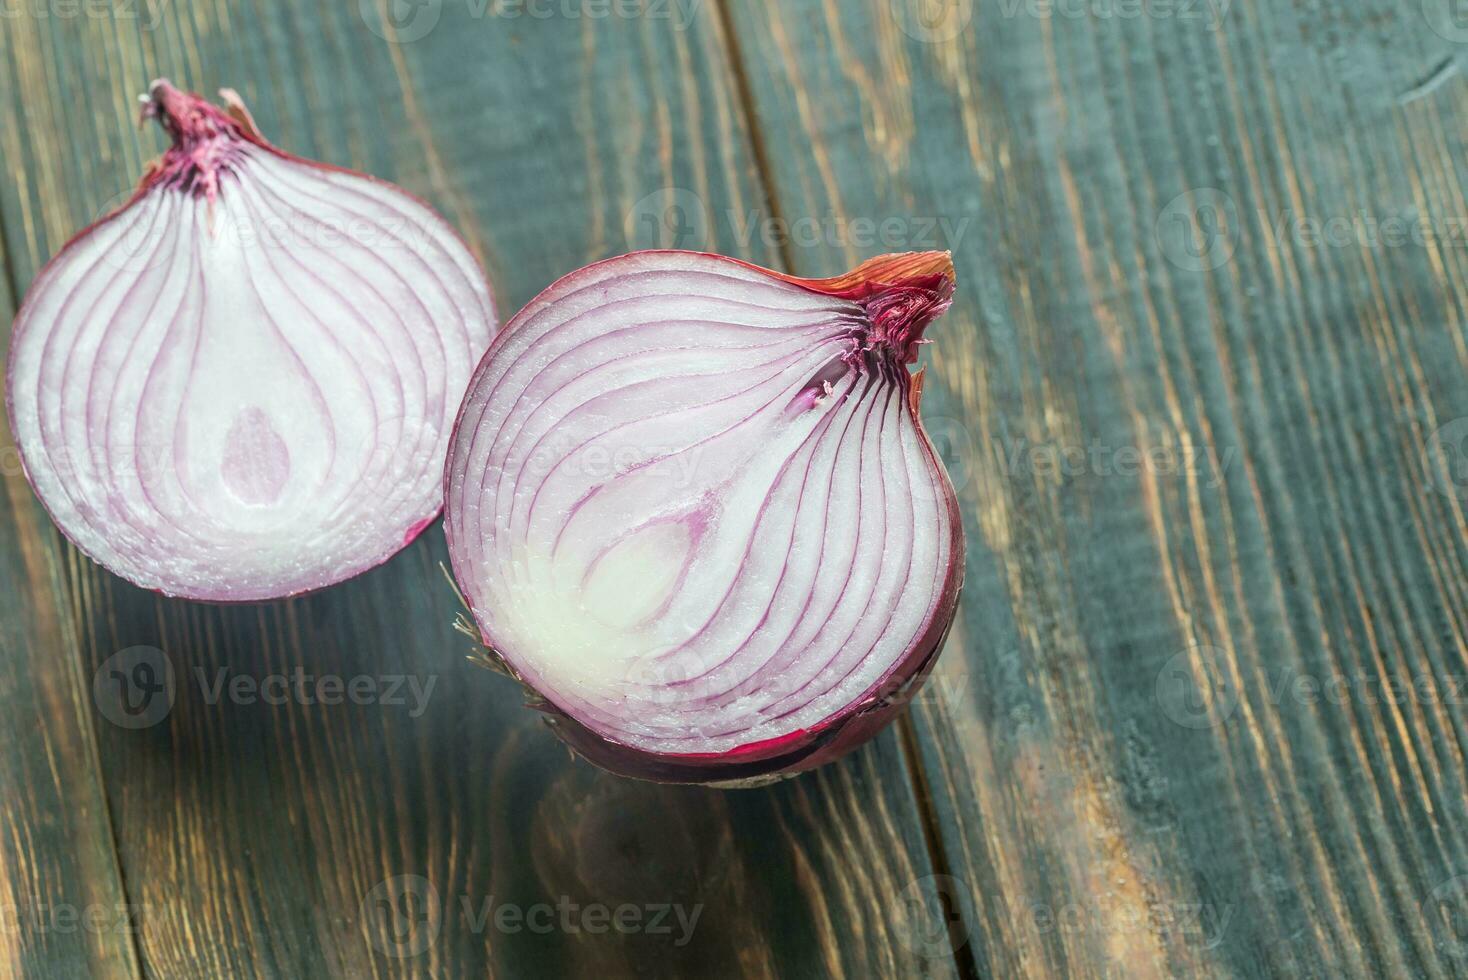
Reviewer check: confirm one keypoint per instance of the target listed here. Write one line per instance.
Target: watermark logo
(1446, 458)
(400, 21)
(1194, 688)
(932, 21)
(136, 237)
(135, 688)
(941, 691)
(1446, 912)
(402, 916)
(934, 914)
(1448, 18)
(1199, 229)
(670, 218)
(955, 446)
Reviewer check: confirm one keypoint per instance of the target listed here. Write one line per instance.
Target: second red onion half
(691, 505)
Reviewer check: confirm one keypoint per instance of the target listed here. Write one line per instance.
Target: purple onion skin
(883, 285)
(184, 116)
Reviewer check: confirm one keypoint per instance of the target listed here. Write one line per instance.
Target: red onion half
(238, 386)
(690, 504)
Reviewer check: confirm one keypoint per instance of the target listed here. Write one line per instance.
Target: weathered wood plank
(1158, 743)
(294, 839)
(62, 904)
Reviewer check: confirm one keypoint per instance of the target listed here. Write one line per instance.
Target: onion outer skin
(185, 117)
(769, 760)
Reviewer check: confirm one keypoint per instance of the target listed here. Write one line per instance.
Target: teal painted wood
(1157, 744)
(291, 840)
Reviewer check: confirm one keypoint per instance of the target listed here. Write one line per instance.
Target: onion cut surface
(690, 504)
(239, 385)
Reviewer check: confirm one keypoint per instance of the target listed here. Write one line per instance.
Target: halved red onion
(690, 504)
(238, 386)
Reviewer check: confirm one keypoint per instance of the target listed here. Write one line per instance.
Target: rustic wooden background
(1203, 393)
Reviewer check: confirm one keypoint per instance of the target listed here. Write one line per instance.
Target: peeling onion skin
(239, 386)
(764, 609)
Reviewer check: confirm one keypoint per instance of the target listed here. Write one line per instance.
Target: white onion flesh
(248, 394)
(691, 513)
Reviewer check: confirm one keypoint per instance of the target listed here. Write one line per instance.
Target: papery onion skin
(267, 501)
(898, 296)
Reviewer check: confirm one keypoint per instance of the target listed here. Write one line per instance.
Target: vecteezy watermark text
(678, 13)
(675, 217)
(1197, 688)
(838, 231)
(301, 688)
(1201, 229)
(66, 919)
(965, 455)
(405, 21)
(147, 13)
(1209, 12)
(138, 688)
(1200, 924)
(672, 919)
(602, 461)
(935, 913)
(145, 245)
(404, 916)
(1098, 458)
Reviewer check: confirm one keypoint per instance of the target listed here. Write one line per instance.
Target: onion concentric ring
(691, 505)
(239, 385)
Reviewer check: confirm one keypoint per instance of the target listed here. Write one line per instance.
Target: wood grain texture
(1203, 714)
(367, 839)
(62, 904)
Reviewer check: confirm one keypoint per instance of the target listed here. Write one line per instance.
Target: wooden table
(1203, 394)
